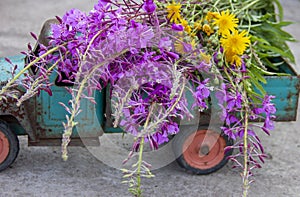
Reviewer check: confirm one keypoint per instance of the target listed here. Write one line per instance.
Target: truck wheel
(9, 146)
(201, 151)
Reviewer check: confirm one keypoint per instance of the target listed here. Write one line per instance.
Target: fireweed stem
(70, 121)
(245, 172)
(139, 191)
(8, 84)
(245, 141)
(140, 160)
(91, 42)
(245, 138)
(36, 83)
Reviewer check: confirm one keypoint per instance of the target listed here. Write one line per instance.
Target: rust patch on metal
(9, 107)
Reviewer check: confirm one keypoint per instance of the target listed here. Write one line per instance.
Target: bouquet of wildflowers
(153, 54)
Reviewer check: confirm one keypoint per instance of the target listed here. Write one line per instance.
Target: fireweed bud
(220, 64)
(149, 6)
(177, 27)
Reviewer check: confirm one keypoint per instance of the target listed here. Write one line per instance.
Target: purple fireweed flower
(172, 55)
(152, 142)
(161, 135)
(241, 132)
(201, 94)
(139, 35)
(203, 67)
(75, 20)
(268, 109)
(229, 132)
(149, 6)
(187, 47)
(230, 119)
(268, 125)
(215, 57)
(243, 67)
(171, 128)
(103, 2)
(160, 138)
(234, 100)
(165, 43)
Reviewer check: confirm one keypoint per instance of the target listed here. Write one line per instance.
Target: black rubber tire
(13, 146)
(178, 144)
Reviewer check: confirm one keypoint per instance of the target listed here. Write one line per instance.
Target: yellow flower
(211, 15)
(236, 42)
(226, 22)
(174, 12)
(235, 45)
(186, 26)
(233, 58)
(207, 29)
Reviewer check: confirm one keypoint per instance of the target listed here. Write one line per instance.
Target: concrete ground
(39, 171)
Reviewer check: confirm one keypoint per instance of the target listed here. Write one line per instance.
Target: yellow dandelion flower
(233, 58)
(236, 42)
(174, 12)
(226, 22)
(211, 15)
(207, 29)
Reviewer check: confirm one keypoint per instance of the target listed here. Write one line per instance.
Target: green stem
(229, 77)
(216, 3)
(247, 6)
(245, 172)
(140, 160)
(245, 141)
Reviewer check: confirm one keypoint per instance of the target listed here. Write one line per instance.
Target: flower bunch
(151, 54)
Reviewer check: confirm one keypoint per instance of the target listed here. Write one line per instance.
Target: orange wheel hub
(4, 147)
(204, 150)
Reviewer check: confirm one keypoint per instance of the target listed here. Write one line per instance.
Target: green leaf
(257, 75)
(279, 51)
(280, 9)
(253, 80)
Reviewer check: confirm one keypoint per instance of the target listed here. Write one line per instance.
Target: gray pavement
(39, 171)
